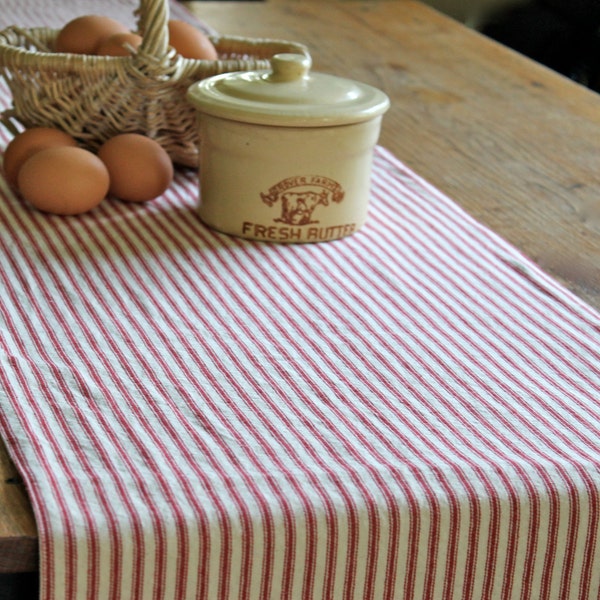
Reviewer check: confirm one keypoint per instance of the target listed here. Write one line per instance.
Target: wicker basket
(96, 97)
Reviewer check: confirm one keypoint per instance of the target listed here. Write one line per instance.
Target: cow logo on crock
(300, 196)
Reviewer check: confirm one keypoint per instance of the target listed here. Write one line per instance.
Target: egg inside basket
(94, 98)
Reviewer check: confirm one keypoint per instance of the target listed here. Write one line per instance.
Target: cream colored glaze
(285, 156)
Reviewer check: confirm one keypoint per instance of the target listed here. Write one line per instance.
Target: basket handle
(153, 26)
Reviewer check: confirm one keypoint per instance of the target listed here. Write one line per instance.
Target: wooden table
(510, 141)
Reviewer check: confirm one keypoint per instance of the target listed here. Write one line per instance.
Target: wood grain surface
(510, 141)
(18, 533)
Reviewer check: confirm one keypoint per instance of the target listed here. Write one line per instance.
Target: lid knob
(289, 67)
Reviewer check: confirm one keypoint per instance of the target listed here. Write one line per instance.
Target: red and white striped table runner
(409, 413)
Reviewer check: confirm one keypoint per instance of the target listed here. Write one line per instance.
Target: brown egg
(140, 168)
(119, 44)
(190, 42)
(64, 180)
(84, 34)
(27, 143)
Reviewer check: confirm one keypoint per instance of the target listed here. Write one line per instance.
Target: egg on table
(140, 168)
(63, 180)
(27, 143)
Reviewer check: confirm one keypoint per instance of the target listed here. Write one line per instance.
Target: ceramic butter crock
(285, 154)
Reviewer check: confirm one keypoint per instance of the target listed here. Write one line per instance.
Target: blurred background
(564, 35)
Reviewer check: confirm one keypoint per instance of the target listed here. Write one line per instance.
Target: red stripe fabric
(411, 412)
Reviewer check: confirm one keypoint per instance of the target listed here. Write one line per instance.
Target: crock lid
(287, 95)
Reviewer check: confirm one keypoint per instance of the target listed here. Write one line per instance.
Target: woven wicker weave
(96, 97)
